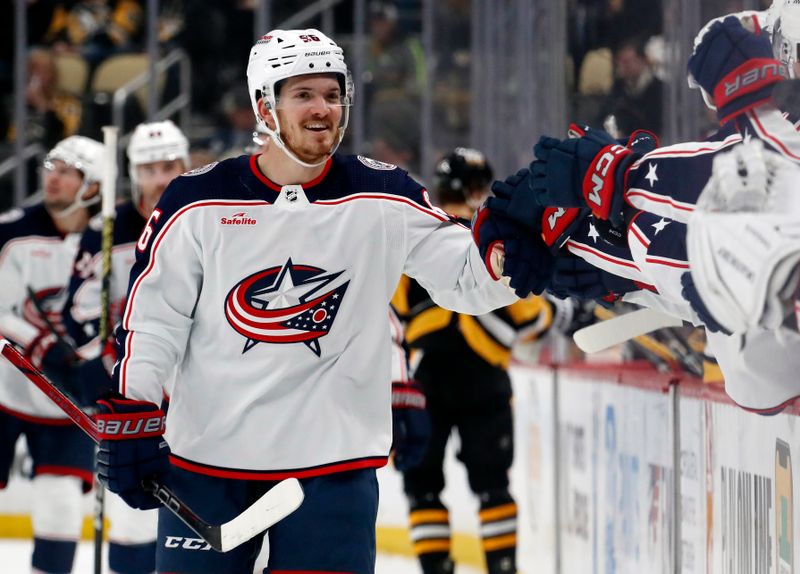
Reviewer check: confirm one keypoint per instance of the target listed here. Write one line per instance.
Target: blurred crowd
(80, 51)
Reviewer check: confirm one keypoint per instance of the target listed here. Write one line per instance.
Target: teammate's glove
(491, 229)
(588, 171)
(575, 277)
(56, 358)
(514, 199)
(132, 448)
(690, 293)
(734, 66)
(411, 425)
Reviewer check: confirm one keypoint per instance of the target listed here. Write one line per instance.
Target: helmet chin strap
(79, 202)
(275, 135)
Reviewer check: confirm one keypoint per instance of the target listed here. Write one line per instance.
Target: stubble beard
(313, 153)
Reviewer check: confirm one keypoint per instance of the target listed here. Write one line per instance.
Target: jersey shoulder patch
(375, 164)
(200, 170)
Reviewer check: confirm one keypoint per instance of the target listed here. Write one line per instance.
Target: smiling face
(309, 110)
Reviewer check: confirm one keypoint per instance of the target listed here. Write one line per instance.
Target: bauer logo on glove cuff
(598, 184)
(135, 425)
(747, 78)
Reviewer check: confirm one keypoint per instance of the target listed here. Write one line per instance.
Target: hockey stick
(606, 334)
(108, 212)
(274, 505)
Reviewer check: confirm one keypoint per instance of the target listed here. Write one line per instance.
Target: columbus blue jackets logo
(285, 304)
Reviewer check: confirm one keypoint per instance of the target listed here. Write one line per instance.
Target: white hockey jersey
(269, 304)
(35, 261)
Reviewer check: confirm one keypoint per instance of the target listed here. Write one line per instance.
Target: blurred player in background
(461, 362)
(158, 152)
(38, 247)
(261, 287)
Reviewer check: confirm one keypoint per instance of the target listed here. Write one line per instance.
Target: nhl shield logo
(285, 304)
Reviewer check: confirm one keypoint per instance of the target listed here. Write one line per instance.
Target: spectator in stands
(236, 132)
(636, 99)
(395, 62)
(395, 134)
(95, 28)
(52, 114)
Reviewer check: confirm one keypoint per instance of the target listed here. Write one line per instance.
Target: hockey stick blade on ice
(606, 334)
(280, 501)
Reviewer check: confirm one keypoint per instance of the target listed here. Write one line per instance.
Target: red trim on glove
(407, 396)
(555, 222)
(114, 425)
(747, 78)
(599, 181)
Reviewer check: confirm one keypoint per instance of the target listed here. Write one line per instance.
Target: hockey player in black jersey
(461, 361)
(158, 152)
(37, 247)
(260, 294)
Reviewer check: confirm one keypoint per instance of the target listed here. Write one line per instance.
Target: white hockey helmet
(786, 33)
(85, 155)
(283, 54)
(155, 141)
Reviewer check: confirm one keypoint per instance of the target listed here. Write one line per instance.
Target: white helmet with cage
(85, 155)
(283, 54)
(155, 141)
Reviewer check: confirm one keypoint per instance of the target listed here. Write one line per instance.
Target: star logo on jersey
(285, 304)
(651, 176)
(660, 225)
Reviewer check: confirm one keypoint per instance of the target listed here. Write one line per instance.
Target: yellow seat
(596, 75)
(116, 71)
(73, 71)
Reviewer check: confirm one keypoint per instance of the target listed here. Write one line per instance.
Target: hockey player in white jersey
(743, 246)
(158, 152)
(37, 248)
(261, 285)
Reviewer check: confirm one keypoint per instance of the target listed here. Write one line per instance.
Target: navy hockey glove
(491, 229)
(575, 277)
(529, 264)
(587, 171)
(57, 359)
(411, 425)
(734, 66)
(690, 293)
(132, 448)
(514, 199)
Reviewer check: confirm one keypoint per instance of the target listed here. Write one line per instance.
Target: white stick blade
(278, 503)
(604, 335)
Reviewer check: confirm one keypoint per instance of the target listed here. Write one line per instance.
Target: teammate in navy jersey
(261, 287)
(158, 152)
(653, 196)
(37, 247)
